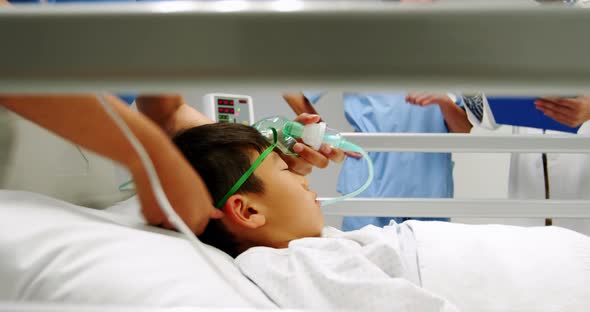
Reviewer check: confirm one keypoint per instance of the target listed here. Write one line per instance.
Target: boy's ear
(238, 208)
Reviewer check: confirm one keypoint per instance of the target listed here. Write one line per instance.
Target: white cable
(161, 198)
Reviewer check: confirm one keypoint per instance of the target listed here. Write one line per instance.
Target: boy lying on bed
(475, 267)
(274, 226)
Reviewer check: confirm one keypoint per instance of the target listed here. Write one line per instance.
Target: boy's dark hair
(221, 153)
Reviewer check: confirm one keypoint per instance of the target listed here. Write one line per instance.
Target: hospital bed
(234, 43)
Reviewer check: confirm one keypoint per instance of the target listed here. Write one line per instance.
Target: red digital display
(243, 102)
(224, 110)
(225, 102)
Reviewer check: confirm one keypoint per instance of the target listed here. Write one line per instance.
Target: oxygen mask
(288, 132)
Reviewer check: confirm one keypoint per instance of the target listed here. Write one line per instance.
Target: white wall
(33, 159)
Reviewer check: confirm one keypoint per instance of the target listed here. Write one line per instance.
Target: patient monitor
(232, 108)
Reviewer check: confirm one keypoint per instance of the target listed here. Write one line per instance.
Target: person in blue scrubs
(422, 175)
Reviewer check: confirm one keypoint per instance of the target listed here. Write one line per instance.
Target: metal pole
(548, 221)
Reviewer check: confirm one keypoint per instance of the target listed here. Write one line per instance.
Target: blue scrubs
(428, 175)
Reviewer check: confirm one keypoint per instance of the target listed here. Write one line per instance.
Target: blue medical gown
(396, 174)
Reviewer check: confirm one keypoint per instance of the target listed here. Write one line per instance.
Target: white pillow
(54, 251)
(129, 207)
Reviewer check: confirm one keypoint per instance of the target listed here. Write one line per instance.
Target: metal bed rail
(472, 208)
(475, 208)
(162, 46)
(470, 143)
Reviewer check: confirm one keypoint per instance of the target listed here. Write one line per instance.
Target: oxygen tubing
(345, 145)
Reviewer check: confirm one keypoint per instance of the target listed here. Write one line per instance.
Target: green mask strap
(249, 172)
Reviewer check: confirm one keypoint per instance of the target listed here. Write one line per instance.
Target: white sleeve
(479, 112)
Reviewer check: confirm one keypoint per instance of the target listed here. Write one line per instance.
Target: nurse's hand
(309, 157)
(568, 111)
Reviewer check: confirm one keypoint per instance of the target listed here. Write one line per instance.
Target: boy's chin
(319, 229)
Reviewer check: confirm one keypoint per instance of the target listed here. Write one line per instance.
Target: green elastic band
(249, 172)
(122, 186)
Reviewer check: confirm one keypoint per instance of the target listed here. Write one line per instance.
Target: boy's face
(290, 209)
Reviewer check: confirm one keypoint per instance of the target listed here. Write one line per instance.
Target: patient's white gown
(428, 266)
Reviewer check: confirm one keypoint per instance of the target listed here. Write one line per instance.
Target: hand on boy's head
(210, 213)
(216, 214)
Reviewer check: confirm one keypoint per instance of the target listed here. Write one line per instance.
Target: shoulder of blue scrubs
(127, 98)
(313, 96)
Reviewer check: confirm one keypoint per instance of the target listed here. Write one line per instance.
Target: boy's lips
(315, 198)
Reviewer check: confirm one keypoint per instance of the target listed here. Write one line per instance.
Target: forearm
(82, 120)
(455, 118)
(171, 113)
(299, 104)
(74, 118)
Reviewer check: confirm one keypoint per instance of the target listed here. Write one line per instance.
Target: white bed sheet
(55, 307)
(358, 270)
(52, 251)
(504, 268)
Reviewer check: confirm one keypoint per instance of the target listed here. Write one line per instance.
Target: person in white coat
(569, 174)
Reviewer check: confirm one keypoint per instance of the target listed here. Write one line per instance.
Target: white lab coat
(569, 177)
(569, 174)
